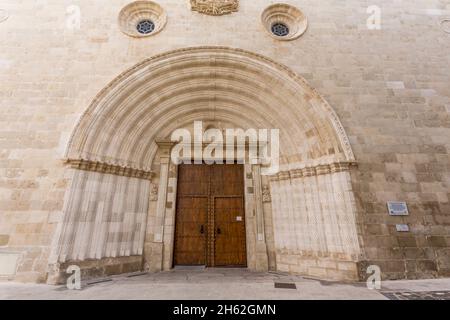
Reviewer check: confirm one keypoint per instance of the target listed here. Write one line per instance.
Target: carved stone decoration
(215, 7)
(138, 12)
(291, 19)
(96, 166)
(445, 25)
(266, 194)
(54, 273)
(4, 15)
(154, 193)
(312, 171)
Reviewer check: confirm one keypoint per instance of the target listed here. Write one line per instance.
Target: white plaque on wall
(397, 208)
(402, 227)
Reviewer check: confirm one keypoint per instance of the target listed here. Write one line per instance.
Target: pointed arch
(155, 96)
(118, 137)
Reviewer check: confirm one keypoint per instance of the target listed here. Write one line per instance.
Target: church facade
(115, 148)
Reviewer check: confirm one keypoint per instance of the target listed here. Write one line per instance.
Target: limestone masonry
(90, 92)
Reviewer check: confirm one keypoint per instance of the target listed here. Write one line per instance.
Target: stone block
(317, 272)
(4, 239)
(282, 267)
(347, 266)
(327, 264)
(113, 269)
(426, 266)
(341, 275)
(407, 241)
(437, 241)
(8, 263)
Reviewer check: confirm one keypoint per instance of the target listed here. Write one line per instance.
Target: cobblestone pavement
(225, 284)
(425, 295)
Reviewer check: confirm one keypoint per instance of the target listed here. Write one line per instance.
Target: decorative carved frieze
(283, 175)
(154, 193)
(312, 171)
(215, 7)
(266, 197)
(88, 165)
(90, 135)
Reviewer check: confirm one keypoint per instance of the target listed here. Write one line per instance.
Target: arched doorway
(121, 205)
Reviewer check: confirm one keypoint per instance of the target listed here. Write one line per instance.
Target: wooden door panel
(211, 196)
(230, 246)
(190, 242)
(193, 180)
(227, 180)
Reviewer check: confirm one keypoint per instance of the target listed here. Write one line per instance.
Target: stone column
(262, 261)
(156, 263)
(169, 224)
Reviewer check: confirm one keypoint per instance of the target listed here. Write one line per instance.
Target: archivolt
(168, 91)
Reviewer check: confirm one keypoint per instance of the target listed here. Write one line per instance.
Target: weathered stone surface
(389, 87)
(4, 238)
(91, 269)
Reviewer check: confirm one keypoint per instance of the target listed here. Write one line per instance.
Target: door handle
(202, 229)
(219, 231)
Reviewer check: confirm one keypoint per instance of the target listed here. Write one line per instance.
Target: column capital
(165, 145)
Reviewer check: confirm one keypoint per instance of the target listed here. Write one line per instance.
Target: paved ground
(224, 284)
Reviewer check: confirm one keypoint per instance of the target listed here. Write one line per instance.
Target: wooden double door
(210, 217)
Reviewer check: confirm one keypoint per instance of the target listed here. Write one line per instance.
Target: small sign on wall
(397, 208)
(402, 227)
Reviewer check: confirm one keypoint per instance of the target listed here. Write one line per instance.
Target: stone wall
(315, 225)
(104, 216)
(94, 268)
(390, 88)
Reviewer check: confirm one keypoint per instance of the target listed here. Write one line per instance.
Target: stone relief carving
(53, 267)
(97, 166)
(154, 193)
(215, 7)
(88, 126)
(266, 194)
(312, 171)
(4, 15)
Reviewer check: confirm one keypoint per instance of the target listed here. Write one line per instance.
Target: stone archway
(119, 162)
